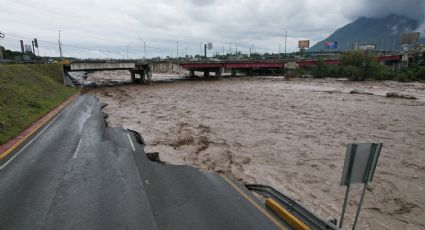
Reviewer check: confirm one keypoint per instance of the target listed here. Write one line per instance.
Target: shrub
(321, 69)
(420, 74)
(366, 64)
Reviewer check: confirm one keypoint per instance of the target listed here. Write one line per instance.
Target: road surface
(76, 173)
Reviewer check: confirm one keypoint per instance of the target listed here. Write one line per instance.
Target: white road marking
(78, 148)
(32, 140)
(131, 142)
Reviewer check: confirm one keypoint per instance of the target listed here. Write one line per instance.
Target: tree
(365, 63)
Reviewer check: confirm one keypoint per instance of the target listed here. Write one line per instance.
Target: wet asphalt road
(80, 174)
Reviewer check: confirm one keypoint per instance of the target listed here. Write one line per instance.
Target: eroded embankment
(288, 134)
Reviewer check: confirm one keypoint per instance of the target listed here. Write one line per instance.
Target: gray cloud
(107, 27)
(378, 8)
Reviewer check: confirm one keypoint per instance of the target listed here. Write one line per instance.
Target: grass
(27, 92)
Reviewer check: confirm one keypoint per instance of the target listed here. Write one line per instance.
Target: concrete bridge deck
(93, 66)
(142, 69)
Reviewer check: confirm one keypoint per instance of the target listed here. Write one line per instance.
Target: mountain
(384, 32)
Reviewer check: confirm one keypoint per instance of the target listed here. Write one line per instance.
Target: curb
(13, 144)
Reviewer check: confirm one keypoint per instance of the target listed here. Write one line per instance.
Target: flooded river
(291, 135)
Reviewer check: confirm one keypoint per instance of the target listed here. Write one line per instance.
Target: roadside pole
(1, 48)
(359, 167)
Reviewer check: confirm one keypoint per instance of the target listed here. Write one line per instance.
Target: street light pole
(144, 48)
(185, 53)
(60, 45)
(286, 39)
(128, 45)
(144, 45)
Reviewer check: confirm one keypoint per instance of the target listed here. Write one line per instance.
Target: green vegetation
(27, 92)
(359, 66)
(15, 55)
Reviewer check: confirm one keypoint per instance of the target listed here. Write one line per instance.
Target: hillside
(384, 32)
(27, 92)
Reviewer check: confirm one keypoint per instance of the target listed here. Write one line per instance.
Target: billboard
(302, 44)
(409, 38)
(331, 45)
(366, 47)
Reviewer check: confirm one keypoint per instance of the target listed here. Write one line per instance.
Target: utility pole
(236, 52)
(230, 51)
(185, 53)
(286, 39)
(393, 44)
(144, 45)
(60, 45)
(177, 49)
(1, 48)
(144, 48)
(382, 44)
(280, 47)
(128, 45)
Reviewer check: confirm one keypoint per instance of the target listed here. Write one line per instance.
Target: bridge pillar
(192, 73)
(149, 76)
(218, 73)
(206, 74)
(133, 76)
(142, 76)
(233, 74)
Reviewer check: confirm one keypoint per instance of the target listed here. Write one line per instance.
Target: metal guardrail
(298, 210)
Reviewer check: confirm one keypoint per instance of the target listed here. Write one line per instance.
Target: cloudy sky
(106, 28)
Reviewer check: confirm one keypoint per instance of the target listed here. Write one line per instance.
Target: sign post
(208, 46)
(331, 45)
(302, 45)
(359, 167)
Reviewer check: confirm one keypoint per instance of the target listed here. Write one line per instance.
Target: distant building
(420, 48)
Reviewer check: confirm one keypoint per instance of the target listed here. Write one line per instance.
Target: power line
(62, 44)
(157, 49)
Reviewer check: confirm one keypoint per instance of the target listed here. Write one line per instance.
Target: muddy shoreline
(288, 134)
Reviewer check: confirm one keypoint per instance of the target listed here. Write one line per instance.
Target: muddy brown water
(291, 135)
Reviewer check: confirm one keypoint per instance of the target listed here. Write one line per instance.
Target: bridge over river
(248, 65)
(135, 68)
(144, 69)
